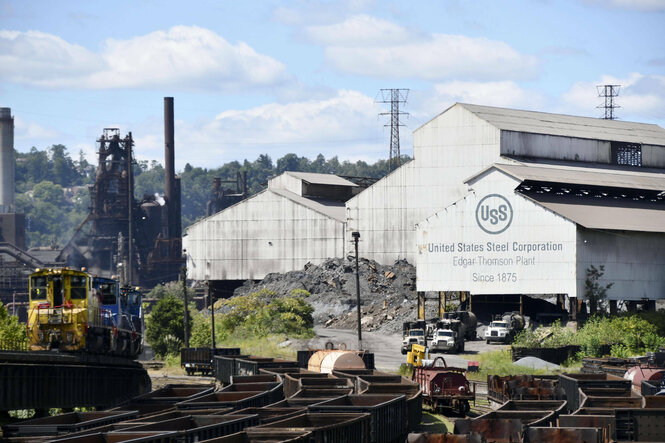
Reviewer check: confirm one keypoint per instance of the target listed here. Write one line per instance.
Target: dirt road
(386, 347)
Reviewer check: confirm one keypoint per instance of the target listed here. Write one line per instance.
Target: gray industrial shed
(464, 140)
(298, 218)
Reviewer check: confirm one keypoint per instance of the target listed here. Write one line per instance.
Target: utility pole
(356, 237)
(212, 309)
(130, 215)
(608, 92)
(394, 97)
(184, 293)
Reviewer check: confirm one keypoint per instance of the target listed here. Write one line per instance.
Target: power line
(394, 97)
(608, 92)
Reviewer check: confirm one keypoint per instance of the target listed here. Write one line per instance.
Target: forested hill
(52, 189)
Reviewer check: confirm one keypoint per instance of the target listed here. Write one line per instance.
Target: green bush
(165, 326)
(13, 335)
(625, 335)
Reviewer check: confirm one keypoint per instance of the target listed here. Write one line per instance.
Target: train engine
(71, 310)
(444, 387)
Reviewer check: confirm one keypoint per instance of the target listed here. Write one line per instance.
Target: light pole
(184, 293)
(356, 237)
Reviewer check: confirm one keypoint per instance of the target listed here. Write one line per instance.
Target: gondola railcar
(71, 310)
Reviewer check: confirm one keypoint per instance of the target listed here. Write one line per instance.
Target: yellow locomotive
(71, 310)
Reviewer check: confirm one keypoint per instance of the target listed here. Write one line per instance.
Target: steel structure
(394, 97)
(139, 241)
(608, 92)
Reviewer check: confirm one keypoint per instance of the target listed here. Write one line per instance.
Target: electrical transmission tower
(394, 97)
(608, 92)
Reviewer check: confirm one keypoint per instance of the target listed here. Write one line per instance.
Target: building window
(628, 154)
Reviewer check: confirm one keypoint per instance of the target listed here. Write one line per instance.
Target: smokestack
(6, 161)
(169, 171)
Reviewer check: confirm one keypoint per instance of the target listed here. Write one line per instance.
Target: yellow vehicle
(416, 355)
(64, 312)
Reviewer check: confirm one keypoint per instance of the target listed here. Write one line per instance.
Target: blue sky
(276, 77)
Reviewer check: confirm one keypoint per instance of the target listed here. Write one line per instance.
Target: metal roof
(568, 125)
(321, 179)
(330, 208)
(579, 175)
(621, 218)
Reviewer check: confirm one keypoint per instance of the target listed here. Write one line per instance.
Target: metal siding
(234, 244)
(554, 147)
(447, 150)
(633, 262)
(551, 271)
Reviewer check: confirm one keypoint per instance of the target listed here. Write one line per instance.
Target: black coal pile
(387, 293)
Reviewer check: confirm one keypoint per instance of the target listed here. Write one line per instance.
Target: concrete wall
(265, 233)
(634, 262)
(447, 150)
(459, 251)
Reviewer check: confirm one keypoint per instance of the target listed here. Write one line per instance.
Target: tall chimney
(169, 171)
(6, 161)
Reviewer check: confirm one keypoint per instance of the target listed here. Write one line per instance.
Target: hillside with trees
(52, 187)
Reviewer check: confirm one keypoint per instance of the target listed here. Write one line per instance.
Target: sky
(304, 77)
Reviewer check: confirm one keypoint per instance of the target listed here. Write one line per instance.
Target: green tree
(595, 292)
(13, 334)
(165, 326)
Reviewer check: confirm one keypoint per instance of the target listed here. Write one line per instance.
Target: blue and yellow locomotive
(73, 311)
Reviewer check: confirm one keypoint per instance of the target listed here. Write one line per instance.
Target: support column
(572, 301)
(521, 304)
(421, 306)
(613, 307)
(442, 303)
(470, 301)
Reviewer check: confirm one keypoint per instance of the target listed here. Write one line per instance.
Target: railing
(14, 345)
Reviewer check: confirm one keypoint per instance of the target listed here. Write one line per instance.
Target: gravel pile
(536, 363)
(387, 293)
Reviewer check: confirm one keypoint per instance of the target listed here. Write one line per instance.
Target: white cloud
(186, 57)
(360, 29)
(369, 46)
(29, 132)
(345, 125)
(639, 5)
(505, 94)
(641, 97)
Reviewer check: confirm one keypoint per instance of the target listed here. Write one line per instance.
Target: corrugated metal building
(465, 139)
(298, 218)
(533, 229)
(548, 196)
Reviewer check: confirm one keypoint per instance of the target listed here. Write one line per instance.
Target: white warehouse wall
(448, 149)
(263, 234)
(456, 254)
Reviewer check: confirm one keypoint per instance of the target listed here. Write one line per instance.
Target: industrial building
(465, 139)
(299, 218)
(585, 191)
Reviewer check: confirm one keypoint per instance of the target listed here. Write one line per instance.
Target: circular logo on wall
(494, 214)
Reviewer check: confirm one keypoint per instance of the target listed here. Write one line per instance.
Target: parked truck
(413, 332)
(504, 328)
(469, 320)
(448, 336)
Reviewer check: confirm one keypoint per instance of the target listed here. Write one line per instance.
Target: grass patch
(435, 424)
(264, 346)
(500, 363)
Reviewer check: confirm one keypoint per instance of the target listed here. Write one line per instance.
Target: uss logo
(494, 214)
